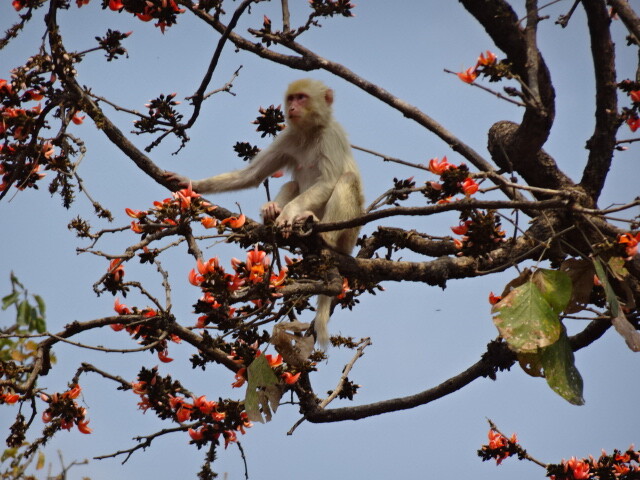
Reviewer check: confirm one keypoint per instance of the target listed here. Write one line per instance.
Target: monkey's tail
(320, 324)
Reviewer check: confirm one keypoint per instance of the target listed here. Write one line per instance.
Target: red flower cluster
(623, 465)
(9, 398)
(499, 447)
(142, 331)
(471, 73)
(167, 213)
(217, 285)
(274, 362)
(164, 11)
(453, 179)
(64, 407)
(630, 242)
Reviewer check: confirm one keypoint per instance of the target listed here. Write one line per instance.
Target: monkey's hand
(270, 211)
(179, 180)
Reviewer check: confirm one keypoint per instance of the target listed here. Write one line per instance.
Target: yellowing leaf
(526, 320)
(263, 391)
(619, 320)
(294, 348)
(18, 356)
(40, 462)
(581, 274)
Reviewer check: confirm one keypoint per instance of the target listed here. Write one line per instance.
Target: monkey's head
(308, 104)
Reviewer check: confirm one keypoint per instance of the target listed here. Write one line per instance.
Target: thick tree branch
(601, 145)
(628, 17)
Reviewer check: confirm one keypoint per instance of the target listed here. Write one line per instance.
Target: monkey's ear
(328, 96)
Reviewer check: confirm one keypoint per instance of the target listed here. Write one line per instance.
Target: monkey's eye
(297, 97)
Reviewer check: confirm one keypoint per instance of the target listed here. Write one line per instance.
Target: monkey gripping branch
(252, 305)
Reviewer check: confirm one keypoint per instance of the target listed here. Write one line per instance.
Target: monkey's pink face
(297, 106)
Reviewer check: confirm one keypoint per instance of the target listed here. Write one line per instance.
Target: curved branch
(601, 145)
(497, 357)
(628, 17)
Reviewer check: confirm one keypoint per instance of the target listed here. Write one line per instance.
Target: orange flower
(469, 187)
(257, 256)
(209, 222)
(278, 281)
(580, 468)
(74, 392)
(32, 94)
(493, 299)
(289, 378)
(235, 222)
(462, 228)
(620, 470)
(274, 361)
(135, 213)
(145, 17)
(345, 289)
(469, 75)
(240, 378)
(210, 266)
(439, 166)
(194, 278)
(139, 388)
(163, 356)
(5, 87)
(115, 5)
(229, 437)
(196, 435)
(631, 243)
(634, 123)
(635, 95)
(116, 269)
(204, 405)
(9, 398)
(185, 196)
(83, 426)
(490, 59)
(496, 440)
(184, 412)
(77, 119)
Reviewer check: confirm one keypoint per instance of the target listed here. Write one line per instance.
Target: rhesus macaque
(325, 181)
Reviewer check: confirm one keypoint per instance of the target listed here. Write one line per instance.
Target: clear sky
(421, 335)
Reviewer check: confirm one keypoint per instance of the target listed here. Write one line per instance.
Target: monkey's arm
(265, 163)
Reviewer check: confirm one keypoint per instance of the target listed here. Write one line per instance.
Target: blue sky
(421, 335)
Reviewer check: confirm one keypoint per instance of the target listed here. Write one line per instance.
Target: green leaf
(526, 320)
(41, 305)
(10, 300)
(24, 313)
(40, 325)
(263, 391)
(15, 281)
(560, 371)
(555, 287)
(618, 318)
(612, 300)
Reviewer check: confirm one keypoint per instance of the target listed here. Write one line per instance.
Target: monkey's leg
(345, 203)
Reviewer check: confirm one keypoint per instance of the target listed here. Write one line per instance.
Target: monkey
(325, 181)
